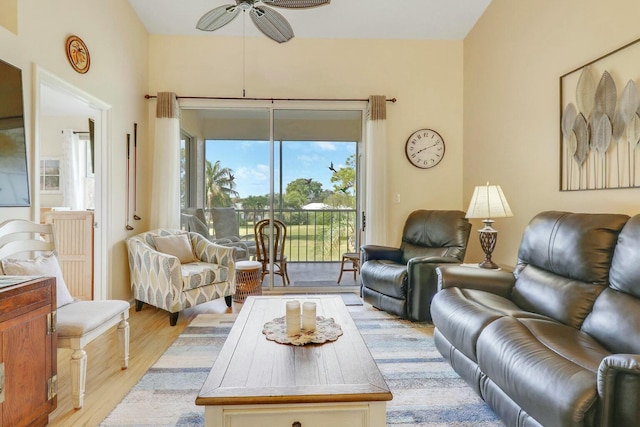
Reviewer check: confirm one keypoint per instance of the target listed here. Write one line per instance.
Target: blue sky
(249, 161)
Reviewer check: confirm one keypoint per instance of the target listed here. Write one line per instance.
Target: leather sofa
(556, 342)
(403, 280)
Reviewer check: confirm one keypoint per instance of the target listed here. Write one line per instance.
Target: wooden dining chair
(262, 231)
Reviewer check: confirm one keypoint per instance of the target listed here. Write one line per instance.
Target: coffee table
(255, 381)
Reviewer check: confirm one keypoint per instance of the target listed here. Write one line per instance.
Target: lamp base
(489, 265)
(488, 237)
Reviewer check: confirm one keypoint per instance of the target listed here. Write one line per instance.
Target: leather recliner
(402, 281)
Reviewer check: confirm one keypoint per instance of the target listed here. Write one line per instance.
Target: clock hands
(425, 148)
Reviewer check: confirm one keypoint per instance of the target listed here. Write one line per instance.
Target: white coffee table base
(365, 414)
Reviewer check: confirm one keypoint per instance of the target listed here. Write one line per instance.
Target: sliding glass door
(298, 166)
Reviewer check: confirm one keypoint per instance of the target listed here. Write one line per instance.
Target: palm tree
(219, 185)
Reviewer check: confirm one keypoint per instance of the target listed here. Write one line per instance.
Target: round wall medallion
(78, 54)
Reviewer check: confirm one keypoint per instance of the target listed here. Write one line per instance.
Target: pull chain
(243, 53)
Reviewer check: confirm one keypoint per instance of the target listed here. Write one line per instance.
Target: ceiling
(342, 19)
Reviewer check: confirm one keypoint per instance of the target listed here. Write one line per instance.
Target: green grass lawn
(311, 243)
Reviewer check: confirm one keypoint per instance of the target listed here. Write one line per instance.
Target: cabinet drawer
(307, 416)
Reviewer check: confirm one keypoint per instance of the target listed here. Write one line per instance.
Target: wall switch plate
(397, 197)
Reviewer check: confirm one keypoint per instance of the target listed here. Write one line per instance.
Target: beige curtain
(376, 205)
(165, 189)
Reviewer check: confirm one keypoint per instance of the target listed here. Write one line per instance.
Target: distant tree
(219, 185)
(344, 185)
(307, 189)
(255, 202)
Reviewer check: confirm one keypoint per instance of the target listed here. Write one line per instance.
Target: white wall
(425, 77)
(513, 59)
(118, 45)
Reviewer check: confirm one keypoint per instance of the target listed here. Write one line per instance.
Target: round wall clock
(424, 148)
(78, 54)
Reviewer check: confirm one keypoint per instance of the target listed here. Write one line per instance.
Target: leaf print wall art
(600, 122)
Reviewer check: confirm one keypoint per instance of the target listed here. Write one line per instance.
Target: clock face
(425, 148)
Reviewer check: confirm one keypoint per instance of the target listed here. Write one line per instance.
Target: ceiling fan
(270, 22)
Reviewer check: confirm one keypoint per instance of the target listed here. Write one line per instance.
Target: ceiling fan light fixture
(245, 5)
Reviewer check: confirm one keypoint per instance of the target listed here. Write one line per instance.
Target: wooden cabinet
(28, 379)
(73, 231)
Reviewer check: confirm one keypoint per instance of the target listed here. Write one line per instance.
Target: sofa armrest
(495, 281)
(380, 252)
(422, 284)
(619, 390)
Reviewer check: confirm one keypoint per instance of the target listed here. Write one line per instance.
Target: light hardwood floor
(107, 384)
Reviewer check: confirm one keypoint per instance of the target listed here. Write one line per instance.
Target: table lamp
(488, 202)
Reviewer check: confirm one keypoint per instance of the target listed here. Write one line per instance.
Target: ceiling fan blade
(296, 4)
(218, 17)
(272, 24)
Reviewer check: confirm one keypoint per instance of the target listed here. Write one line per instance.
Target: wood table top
(253, 370)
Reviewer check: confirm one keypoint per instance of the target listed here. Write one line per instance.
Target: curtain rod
(271, 99)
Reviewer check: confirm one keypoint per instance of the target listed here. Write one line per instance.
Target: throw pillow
(45, 265)
(178, 245)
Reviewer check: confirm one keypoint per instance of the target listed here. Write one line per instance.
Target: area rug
(426, 391)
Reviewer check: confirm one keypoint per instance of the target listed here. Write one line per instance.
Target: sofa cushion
(461, 315)
(574, 245)
(197, 274)
(561, 255)
(615, 322)
(625, 267)
(547, 368)
(385, 277)
(566, 300)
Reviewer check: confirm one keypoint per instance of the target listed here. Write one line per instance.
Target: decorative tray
(326, 330)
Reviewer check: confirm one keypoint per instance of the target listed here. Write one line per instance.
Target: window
(50, 175)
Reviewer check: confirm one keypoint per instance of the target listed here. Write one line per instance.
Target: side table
(248, 280)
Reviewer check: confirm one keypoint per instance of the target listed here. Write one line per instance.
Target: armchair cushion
(177, 245)
(196, 274)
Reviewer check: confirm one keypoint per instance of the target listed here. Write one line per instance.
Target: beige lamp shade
(487, 202)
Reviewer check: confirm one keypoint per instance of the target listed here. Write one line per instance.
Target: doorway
(58, 106)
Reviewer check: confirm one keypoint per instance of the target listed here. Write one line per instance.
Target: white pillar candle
(309, 316)
(293, 318)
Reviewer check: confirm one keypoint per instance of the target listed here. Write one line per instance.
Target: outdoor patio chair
(262, 232)
(194, 224)
(225, 226)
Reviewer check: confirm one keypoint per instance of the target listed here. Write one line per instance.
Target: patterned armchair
(166, 278)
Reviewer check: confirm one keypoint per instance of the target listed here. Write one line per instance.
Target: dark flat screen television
(14, 173)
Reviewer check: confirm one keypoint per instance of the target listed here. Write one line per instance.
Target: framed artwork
(600, 122)
(50, 175)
